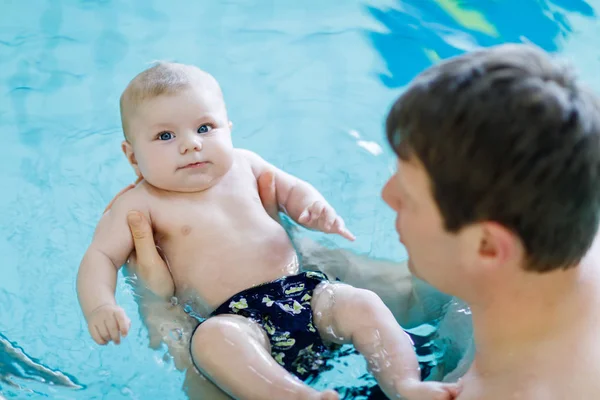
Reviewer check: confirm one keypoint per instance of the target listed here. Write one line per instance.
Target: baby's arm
(97, 276)
(299, 199)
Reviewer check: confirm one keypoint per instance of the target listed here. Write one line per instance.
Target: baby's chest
(185, 220)
(208, 216)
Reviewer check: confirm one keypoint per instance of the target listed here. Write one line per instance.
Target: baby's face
(181, 142)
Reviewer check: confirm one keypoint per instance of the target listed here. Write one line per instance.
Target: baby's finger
(100, 334)
(339, 227)
(113, 329)
(123, 322)
(348, 235)
(304, 216)
(316, 210)
(327, 219)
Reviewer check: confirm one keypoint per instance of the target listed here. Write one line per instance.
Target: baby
(267, 323)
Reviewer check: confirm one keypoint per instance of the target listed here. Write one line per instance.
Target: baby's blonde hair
(160, 79)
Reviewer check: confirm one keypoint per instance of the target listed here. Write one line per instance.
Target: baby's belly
(211, 270)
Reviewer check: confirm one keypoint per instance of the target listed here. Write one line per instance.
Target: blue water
(307, 84)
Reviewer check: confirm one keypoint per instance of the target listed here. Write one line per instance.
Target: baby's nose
(191, 144)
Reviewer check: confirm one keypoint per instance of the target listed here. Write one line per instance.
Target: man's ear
(128, 151)
(498, 245)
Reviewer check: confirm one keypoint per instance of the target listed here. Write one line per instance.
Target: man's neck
(513, 328)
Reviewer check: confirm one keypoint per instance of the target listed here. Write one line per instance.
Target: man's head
(504, 148)
(178, 135)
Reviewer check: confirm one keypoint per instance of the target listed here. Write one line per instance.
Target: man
(497, 195)
(498, 198)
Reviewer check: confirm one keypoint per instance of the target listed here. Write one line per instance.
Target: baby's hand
(108, 323)
(323, 217)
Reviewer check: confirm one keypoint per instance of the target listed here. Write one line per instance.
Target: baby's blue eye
(165, 136)
(204, 128)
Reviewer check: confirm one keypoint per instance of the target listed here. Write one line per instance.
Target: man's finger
(139, 226)
(143, 240)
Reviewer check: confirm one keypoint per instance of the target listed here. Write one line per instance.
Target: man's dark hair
(506, 135)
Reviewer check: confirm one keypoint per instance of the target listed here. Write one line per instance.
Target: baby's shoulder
(133, 198)
(250, 160)
(244, 155)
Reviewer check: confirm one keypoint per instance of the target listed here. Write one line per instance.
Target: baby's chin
(184, 187)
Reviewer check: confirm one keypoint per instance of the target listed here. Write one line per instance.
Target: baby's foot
(325, 395)
(329, 395)
(430, 391)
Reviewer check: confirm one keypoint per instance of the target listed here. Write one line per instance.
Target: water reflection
(419, 33)
(15, 365)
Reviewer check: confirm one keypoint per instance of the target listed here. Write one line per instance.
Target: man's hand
(150, 267)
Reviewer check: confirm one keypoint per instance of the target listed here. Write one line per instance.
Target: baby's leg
(197, 386)
(234, 353)
(344, 314)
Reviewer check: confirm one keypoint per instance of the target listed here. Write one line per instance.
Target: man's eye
(204, 128)
(165, 136)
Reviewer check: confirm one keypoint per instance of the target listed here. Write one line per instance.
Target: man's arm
(163, 319)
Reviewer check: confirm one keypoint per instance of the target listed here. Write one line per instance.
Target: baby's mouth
(198, 164)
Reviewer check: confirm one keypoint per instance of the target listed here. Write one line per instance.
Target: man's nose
(386, 194)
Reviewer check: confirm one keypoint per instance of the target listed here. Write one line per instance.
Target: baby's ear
(230, 125)
(128, 151)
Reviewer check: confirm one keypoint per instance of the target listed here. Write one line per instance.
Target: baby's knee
(212, 331)
(364, 302)
(223, 330)
(364, 310)
(355, 308)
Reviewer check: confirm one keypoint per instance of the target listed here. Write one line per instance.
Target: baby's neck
(174, 192)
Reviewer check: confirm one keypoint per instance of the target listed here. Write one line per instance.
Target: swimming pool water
(307, 85)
